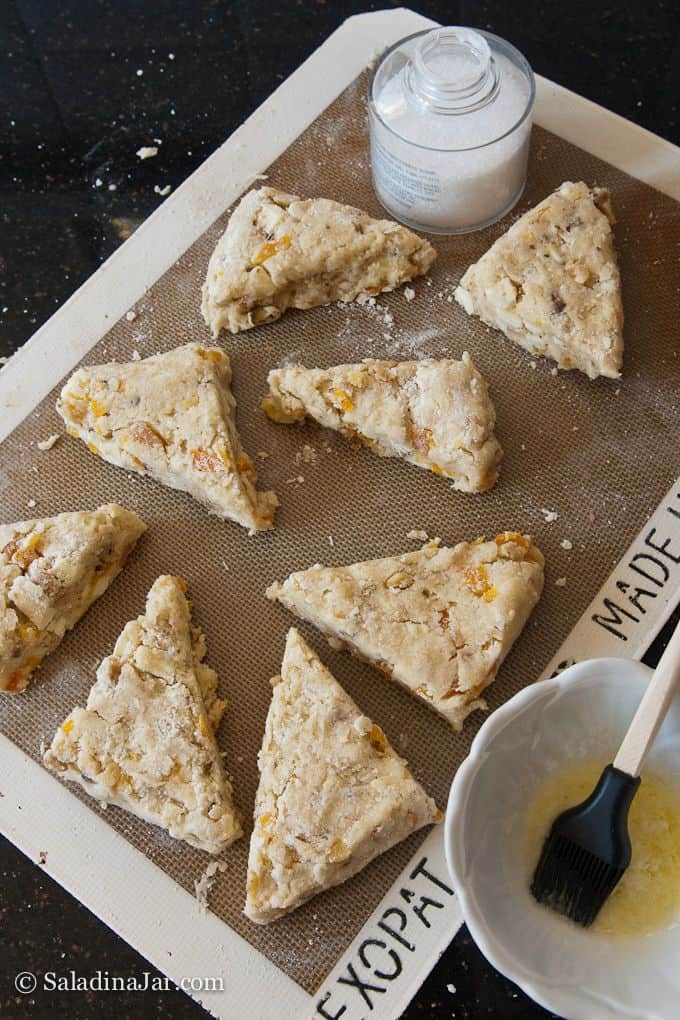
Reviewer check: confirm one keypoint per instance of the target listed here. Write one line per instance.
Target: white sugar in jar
(450, 120)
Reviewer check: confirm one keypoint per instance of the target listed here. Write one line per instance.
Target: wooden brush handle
(652, 709)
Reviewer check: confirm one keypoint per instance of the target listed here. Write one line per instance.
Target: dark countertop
(85, 83)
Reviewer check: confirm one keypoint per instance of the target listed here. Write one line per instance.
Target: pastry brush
(588, 847)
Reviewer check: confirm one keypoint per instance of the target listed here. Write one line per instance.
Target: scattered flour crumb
(30, 504)
(48, 443)
(162, 191)
(131, 316)
(553, 371)
(561, 582)
(417, 535)
(409, 293)
(550, 515)
(299, 479)
(206, 882)
(261, 177)
(532, 364)
(262, 454)
(566, 544)
(307, 455)
(331, 541)
(147, 151)
(523, 446)
(451, 988)
(136, 356)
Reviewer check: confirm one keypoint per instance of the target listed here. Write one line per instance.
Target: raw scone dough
(332, 796)
(51, 571)
(551, 283)
(438, 621)
(280, 251)
(145, 742)
(436, 414)
(171, 416)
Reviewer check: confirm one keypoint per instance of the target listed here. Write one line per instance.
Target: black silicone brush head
(587, 850)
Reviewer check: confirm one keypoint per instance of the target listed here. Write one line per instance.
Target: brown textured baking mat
(599, 455)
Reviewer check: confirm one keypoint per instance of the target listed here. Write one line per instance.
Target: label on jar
(404, 182)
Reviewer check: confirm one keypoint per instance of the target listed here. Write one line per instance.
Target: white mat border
(106, 873)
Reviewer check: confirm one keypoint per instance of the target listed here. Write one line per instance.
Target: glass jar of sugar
(450, 120)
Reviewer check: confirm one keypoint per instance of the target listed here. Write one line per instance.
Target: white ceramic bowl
(582, 713)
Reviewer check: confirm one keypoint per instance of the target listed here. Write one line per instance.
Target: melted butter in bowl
(536, 755)
(647, 899)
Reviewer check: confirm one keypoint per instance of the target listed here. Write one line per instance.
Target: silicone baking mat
(598, 455)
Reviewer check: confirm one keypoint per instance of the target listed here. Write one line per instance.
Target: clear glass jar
(450, 121)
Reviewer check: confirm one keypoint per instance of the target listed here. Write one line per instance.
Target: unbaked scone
(280, 251)
(173, 417)
(438, 621)
(433, 413)
(145, 741)
(333, 794)
(51, 571)
(552, 284)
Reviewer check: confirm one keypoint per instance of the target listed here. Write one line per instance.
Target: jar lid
(452, 88)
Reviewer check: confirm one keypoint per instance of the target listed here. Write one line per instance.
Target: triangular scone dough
(51, 571)
(171, 416)
(145, 742)
(436, 414)
(280, 251)
(439, 621)
(332, 796)
(551, 283)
